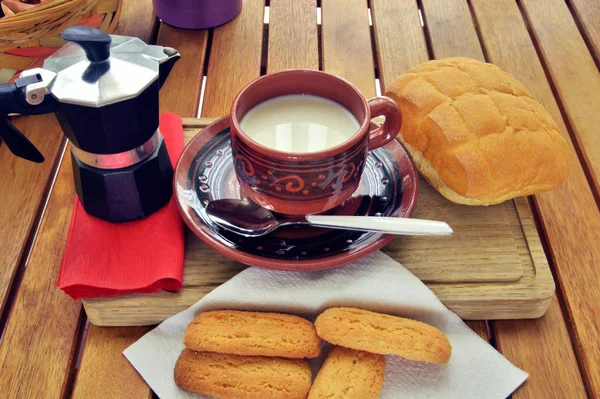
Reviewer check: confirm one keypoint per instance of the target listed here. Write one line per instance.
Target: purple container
(197, 14)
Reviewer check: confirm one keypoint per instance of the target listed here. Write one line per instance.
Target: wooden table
(47, 348)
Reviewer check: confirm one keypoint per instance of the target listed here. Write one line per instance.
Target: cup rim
(351, 141)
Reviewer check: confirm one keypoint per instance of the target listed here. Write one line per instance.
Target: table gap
(265, 51)
(27, 249)
(423, 19)
(319, 38)
(563, 112)
(544, 241)
(81, 339)
(82, 327)
(478, 31)
(583, 33)
(201, 100)
(209, 40)
(265, 39)
(155, 30)
(492, 334)
(320, 35)
(373, 47)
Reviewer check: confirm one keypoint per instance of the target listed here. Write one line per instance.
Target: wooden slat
(181, 91)
(36, 351)
(22, 188)
(186, 76)
(451, 29)
(542, 348)
(137, 19)
(234, 59)
(104, 372)
(293, 41)
(569, 214)
(399, 37)
(573, 72)
(346, 38)
(480, 327)
(588, 14)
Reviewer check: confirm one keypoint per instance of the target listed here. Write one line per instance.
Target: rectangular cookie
(383, 334)
(253, 334)
(226, 376)
(349, 374)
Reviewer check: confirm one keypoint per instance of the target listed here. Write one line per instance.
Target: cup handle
(381, 135)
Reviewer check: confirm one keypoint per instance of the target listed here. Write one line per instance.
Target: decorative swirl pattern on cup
(294, 184)
(346, 172)
(242, 163)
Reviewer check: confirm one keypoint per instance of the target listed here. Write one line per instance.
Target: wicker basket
(28, 38)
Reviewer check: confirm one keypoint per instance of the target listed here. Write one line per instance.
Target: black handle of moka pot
(94, 42)
(12, 100)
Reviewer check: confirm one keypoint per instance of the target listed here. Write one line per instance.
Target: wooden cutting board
(493, 267)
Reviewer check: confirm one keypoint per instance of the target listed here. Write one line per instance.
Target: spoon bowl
(242, 217)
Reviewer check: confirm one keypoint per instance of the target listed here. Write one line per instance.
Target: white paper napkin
(377, 283)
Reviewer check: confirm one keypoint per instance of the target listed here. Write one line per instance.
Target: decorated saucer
(205, 172)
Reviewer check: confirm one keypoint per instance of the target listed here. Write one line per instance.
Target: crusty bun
(476, 133)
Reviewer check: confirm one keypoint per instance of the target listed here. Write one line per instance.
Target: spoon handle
(388, 225)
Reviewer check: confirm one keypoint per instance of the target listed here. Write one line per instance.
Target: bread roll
(476, 133)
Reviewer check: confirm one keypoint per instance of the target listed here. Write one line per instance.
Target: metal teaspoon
(251, 220)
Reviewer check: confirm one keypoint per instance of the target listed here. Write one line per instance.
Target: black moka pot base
(121, 195)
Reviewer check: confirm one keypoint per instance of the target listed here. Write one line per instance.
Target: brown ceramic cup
(305, 183)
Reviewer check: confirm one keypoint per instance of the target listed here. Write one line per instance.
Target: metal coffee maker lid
(96, 69)
(104, 92)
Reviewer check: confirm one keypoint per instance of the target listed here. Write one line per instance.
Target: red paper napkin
(105, 259)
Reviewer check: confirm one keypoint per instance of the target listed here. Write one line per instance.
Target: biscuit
(383, 334)
(228, 376)
(349, 374)
(253, 334)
